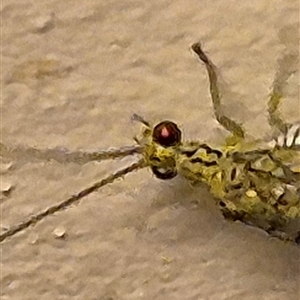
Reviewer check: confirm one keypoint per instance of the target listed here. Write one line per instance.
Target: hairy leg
(287, 65)
(225, 121)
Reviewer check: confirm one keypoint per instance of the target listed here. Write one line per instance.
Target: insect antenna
(138, 118)
(73, 199)
(61, 155)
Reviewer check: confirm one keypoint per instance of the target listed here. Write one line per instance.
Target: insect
(258, 185)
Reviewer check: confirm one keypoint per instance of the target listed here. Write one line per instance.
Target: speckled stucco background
(73, 73)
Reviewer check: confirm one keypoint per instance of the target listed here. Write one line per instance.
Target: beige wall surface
(73, 73)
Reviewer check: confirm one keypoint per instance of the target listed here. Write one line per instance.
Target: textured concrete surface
(73, 73)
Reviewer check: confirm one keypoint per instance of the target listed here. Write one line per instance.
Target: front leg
(287, 66)
(225, 121)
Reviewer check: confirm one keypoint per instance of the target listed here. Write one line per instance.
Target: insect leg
(287, 66)
(73, 199)
(225, 121)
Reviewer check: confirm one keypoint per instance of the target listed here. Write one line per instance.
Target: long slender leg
(61, 155)
(73, 199)
(287, 66)
(226, 122)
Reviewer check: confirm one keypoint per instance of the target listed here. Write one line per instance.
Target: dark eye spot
(166, 134)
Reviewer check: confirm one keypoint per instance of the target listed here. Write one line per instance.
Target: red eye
(166, 134)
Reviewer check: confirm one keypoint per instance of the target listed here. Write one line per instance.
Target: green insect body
(260, 186)
(256, 187)
(251, 181)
